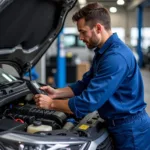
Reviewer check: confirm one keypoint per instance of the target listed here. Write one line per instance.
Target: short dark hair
(94, 13)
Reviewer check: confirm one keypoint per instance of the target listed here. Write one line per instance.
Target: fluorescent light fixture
(70, 30)
(120, 2)
(82, 6)
(113, 9)
(82, 2)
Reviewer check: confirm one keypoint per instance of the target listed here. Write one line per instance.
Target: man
(113, 85)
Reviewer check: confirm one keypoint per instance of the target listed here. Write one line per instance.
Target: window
(72, 40)
(80, 43)
(69, 41)
(120, 32)
(145, 37)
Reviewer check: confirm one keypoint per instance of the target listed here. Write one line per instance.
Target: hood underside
(28, 28)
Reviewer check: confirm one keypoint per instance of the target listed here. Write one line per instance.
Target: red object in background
(19, 120)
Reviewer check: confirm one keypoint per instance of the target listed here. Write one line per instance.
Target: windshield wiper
(10, 83)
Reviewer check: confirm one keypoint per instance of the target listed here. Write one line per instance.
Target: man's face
(87, 35)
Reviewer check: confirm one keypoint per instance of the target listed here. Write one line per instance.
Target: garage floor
(146, 78)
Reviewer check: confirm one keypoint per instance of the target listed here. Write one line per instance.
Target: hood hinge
(27, 68)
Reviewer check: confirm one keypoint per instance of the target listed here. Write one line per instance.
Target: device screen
(36, 85)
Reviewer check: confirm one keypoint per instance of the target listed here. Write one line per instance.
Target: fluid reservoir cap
(71, 120)
(37, 123)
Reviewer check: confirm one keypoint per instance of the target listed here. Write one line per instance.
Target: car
(134, 51)
(75, 46)
(27, 29)
(146, 57)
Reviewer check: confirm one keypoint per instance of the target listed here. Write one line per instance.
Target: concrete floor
(146, 79)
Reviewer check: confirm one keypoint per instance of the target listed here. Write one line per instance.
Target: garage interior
(65, 62)
(130, 21)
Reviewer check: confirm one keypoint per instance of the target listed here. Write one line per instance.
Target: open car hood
(28, 28)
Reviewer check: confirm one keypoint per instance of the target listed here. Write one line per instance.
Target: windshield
(6, 78)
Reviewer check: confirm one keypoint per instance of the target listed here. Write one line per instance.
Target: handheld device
(35, 88)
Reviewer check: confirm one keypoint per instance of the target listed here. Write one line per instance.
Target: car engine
(20, 114)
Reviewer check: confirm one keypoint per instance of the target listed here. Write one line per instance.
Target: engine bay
(23, 115)
(21, 120)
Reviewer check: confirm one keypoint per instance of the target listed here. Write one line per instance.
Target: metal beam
(61, 63)
(146, 3)
(139, 25)
(135, 3)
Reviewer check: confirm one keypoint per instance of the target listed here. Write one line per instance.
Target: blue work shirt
(113, 85)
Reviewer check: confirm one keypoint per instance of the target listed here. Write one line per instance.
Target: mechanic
(113, 85)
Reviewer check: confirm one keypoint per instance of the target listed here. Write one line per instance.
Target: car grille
(106, 145)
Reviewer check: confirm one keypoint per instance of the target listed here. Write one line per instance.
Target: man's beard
(92, 44)
(91, 47)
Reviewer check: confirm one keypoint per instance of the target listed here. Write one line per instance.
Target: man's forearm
(64, 92)
(61, 105)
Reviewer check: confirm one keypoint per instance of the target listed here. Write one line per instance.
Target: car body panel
(28, 28)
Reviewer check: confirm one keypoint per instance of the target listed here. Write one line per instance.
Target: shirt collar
(106, 45)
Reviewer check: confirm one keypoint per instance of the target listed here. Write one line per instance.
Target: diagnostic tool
(35, 88)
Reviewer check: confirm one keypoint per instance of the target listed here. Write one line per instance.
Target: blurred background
(130, 19)
(67, 59)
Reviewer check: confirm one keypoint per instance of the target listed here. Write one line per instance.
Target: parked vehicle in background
(145, 52)
(146, 56)
(134, 51)
(74, 45)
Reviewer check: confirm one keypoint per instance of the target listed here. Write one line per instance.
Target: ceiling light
(120, 2)
(81, 6)
(82, 2)
(113, 9)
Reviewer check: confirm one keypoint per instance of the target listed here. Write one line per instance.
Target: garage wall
(119, 19)
(123, 18)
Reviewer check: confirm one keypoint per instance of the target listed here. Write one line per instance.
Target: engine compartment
(22, 121)
(23, 115)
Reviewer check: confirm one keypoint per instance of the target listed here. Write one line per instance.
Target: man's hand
(50, 101)
(58, 93)
(50, 91)
(43, 101)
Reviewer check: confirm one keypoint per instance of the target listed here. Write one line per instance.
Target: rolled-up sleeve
(109, 75)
